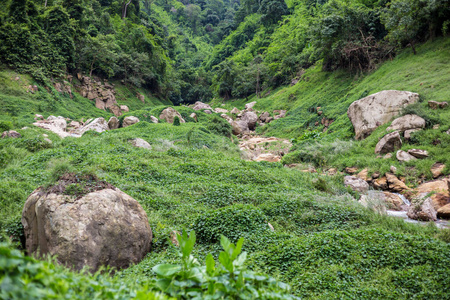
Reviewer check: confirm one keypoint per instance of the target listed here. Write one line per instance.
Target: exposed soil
(77, 185)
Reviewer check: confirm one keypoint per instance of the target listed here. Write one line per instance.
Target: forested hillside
(205, 149)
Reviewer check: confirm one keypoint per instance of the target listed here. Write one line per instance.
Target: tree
(272, 11)
(100, 53)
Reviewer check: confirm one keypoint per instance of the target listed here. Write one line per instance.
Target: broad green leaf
(166, 270)
(238, 249)
(225, 261)
(225, 242)
(241, 259)
(210, 264)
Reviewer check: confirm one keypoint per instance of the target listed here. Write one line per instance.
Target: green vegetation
(250, 230)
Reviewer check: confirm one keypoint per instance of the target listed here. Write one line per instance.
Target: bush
(176, 121)
(219, 126)
(234, 222)
(5, 126)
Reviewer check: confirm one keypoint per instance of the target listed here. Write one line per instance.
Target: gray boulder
(128, 121)
(140, 143)
(407, 122)
(250, 118)
(404, 156)
(113, 123)
(105, 227)
(356, 184)
(389, 143)
(375, 110)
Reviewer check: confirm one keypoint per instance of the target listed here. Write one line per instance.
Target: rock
(250, 105)
(235, 111)
(407, 122)
(389, 143)
(207, 111)
(444, 212)
(356, 184)
(154, 119)
(140, 143)
(250, 118)
(279, 114)
(351, 170)
(436, 126)
(130, 120)
(100, 104)
(395, 184)
(48, 140)
(74, 124)
(364, 175)
(236, 128)
(227, 117)
(11, 134)
(270, 157)
(113, 123)
(393, 169)
(57, 125)
(436, 105)
(200, 105)
(380, 183)
(169, 114)
(393, 201)
(439, 191)
(375, 201)
(220, 110)
(38, 117)
(98, 125)
(437, 169)
(124, 108)
(407, 133)
(375, 110)
(105, 227)
(376, 175)
(332, 171)
(422, 209)
(404, 156)
(264, 117)
(387, 156)
(141, 97)
(418, 153)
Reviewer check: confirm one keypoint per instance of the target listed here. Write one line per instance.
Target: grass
(325, 245)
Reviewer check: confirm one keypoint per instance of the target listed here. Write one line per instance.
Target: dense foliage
(194, 50)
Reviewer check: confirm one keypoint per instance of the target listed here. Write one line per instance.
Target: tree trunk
(45, 5)
(124, 10)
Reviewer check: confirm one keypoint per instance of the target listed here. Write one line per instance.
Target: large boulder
(270, 157)
(130, 120)
(250, 105)
(220, 110)
(436, 105)
(375, 110)
(418, 153)
(235, 111)
(356, 184)
(169, 114)
(437, 169)
(389, 143)
(404, 156)
(57, 125)
(200, 105)
(113, 123)
(444, 212)
(104, 227)
(422, 209)
(11, 134)
(395, 184)
(407, 122)
(236, 127)
(250, 118)
(98, 125)
(140, 143)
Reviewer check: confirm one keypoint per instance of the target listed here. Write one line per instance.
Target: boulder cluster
(244, 121)
(102, 94)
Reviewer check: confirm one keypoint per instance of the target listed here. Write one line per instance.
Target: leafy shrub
(219, 126)
(234, 221)
(5, 125)
(229, 279)
(35, 144)
(176, 121)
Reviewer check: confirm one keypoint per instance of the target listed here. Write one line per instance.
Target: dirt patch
(77, 185)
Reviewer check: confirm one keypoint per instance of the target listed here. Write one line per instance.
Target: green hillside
(225, 227)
